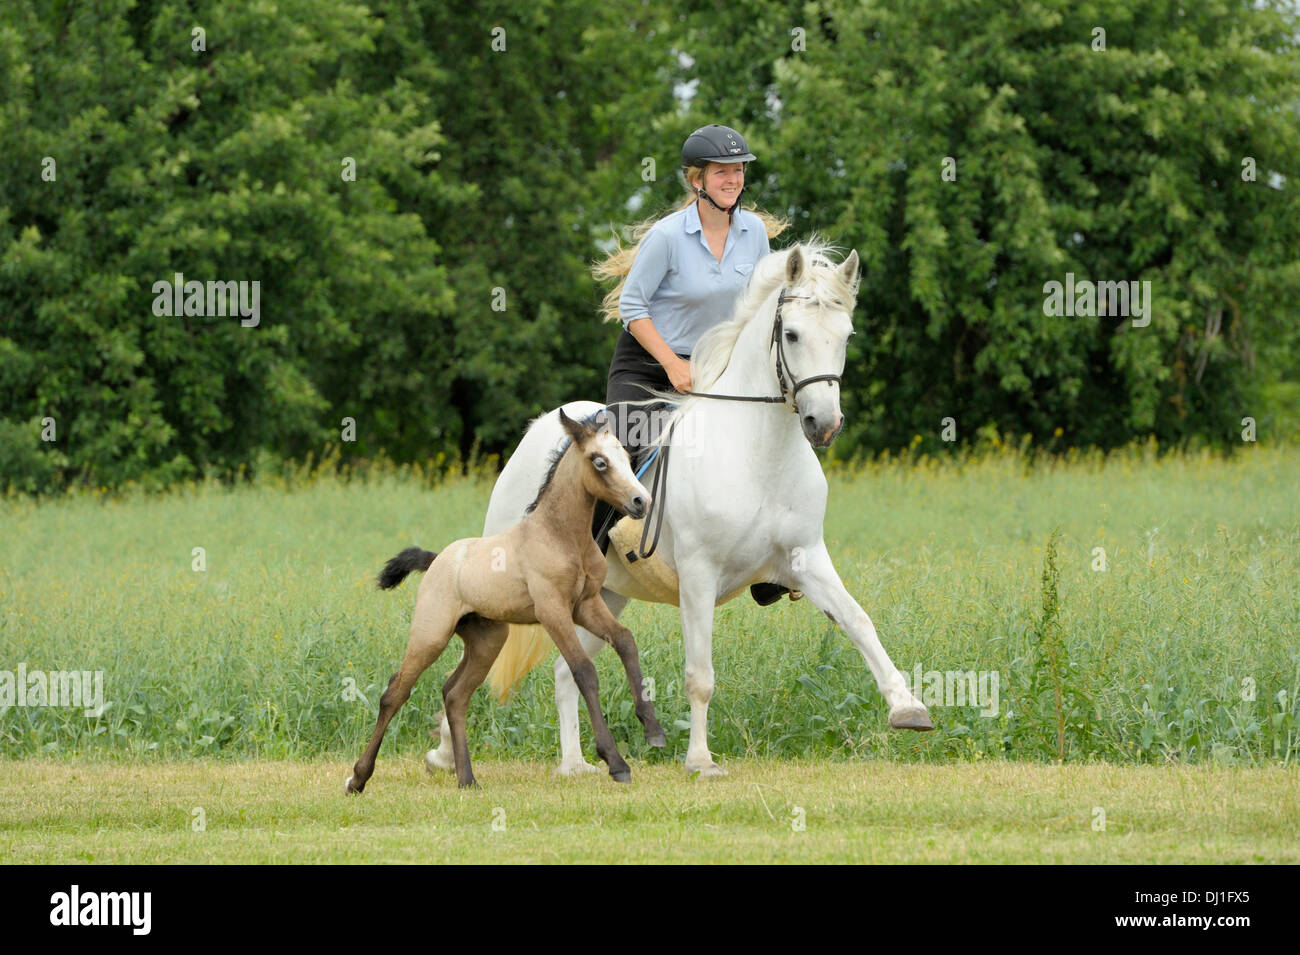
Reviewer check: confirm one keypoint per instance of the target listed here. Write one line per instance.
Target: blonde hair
(618, 263)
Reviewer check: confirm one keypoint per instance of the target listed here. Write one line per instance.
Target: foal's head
(605, 468)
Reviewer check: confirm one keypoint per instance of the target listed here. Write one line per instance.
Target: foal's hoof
(656, 738)
(621, 775)
(351, 788)
(910, 718)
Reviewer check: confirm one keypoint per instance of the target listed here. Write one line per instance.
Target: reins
(658, 491)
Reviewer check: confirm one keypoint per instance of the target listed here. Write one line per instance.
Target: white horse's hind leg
(442, 756)
(566, 702)
(566, 697)
(822, 585)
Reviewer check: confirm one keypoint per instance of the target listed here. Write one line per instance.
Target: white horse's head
(812, 295)
(816, 320)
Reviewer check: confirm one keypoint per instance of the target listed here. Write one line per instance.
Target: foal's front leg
(595, 616)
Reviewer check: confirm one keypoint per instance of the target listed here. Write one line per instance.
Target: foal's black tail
(395, 571)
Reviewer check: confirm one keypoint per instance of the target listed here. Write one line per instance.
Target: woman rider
(681, 279)
(685, 272)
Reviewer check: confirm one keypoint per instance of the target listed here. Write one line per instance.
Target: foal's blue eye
(598, 462)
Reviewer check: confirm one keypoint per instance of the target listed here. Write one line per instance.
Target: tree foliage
(442, 295)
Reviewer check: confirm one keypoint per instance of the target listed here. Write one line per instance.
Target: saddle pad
(651, 573)
(656, 577)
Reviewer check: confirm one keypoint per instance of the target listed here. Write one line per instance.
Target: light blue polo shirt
(676, 281)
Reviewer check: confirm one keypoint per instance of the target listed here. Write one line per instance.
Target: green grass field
(1179, 658)
(764, 811)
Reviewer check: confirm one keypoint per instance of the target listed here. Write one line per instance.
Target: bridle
(789, 385)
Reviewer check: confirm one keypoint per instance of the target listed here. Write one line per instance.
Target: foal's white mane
(821, 273)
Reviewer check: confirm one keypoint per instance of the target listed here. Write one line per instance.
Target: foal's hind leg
(595, 616)
(431, 629)
(483, 641)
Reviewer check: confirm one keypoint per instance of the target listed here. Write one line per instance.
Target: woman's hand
(679, 374)
(678, 369)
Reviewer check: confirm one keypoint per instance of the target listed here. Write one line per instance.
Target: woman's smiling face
(723, 181)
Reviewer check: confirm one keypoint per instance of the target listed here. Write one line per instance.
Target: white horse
(745, 497)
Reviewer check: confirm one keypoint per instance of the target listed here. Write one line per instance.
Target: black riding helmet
(715, 143)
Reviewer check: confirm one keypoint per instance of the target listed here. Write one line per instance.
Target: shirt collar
(691, 222)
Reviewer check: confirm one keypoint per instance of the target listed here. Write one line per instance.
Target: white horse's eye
(598, 462)
(791, 337)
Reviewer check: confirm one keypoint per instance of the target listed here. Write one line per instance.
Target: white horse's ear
(793, 266)
(848, 272)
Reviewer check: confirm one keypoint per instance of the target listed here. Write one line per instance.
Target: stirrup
(767, 594)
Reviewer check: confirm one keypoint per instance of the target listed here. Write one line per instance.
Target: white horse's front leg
(698, 594)
(814, 574)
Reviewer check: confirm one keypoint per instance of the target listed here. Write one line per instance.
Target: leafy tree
(1117, 164)
(218, 156)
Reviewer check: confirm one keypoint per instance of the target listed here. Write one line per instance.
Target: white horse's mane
(713, 351)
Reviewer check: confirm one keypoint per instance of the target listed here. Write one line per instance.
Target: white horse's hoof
(576, 768)
(910, 718)
(435, 761)
(709, 770)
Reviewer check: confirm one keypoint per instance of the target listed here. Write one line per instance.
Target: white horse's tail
(527, 646)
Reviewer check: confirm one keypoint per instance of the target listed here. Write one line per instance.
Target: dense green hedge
(441, 296)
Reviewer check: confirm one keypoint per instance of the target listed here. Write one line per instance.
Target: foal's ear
(601, 421)
(576, 431)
